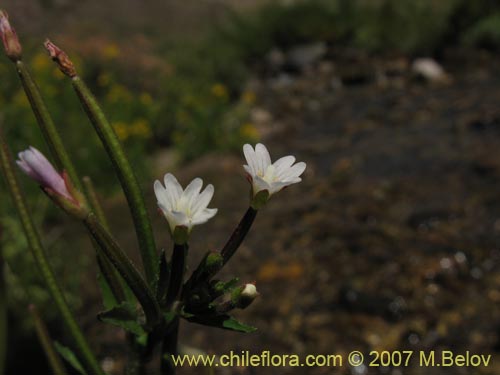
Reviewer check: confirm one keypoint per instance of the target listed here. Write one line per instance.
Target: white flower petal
(176, 218)
(260, 184)
(251, 158)
(283, 164)
(294, 171)
(172, 188)
(277, 186)
(161, 195)
(202, 201)
(191, 192)
(204, 216)
(263, 157)
(248, 170)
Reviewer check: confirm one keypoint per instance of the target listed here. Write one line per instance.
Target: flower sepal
(180, 234)
(259, 199)
(73, 205)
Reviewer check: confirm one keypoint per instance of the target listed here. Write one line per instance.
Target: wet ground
(391, 242)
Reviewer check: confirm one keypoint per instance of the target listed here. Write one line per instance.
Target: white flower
(184, 208)
(270, 177)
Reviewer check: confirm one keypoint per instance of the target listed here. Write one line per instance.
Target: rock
(303, 56)
(275, 59)
(429, 70)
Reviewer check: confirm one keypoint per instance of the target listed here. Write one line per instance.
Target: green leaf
(123, 316)
(220, 321)
(221, 287)
(235, 325)
(70, 357)
(108, 299)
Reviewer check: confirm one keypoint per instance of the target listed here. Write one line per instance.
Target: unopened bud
(61, 58)
(242, 297)
(10, 40)
(57, 186)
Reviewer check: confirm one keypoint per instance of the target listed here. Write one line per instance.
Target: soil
(391, 242)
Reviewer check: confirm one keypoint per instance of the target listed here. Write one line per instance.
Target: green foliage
(406, 26)
(129, 112)
(69, 357)
(123, 316)
(22, 276)
(485, 33)
(204, 106)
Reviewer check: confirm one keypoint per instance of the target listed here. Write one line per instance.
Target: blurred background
(392, 240)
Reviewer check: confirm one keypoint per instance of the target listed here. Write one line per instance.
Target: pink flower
(10, 41)
(36, 166)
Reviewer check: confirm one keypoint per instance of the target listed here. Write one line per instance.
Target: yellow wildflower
(248, 97)
(141, 128)
(146, 98)
(103, 79)
(111, 51)
(249, 131)
(121, 130)
(219, 91)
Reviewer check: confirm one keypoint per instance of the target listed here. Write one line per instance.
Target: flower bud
(61, 58)
(57, 186)
(9, 37)
(243, 296)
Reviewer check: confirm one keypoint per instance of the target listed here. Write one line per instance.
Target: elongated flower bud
(9, 37)
(56, 185)
(61, 58)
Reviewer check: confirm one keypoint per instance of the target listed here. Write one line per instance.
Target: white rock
(429, 69)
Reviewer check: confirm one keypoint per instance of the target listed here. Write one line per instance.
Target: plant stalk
(238, 234)
(126, 268)
(127, 179)
(46, 342)
(87, 357)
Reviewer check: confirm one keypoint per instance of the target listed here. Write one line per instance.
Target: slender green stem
(46, 342)
(127, 179)
(126, 268)
(46, 124)
(106, 268)
(63, 161)
(3, 314)
(177, 273)
(38, 251)
(239, 234)
(94, 201)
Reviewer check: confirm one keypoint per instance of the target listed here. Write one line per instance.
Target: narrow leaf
(220, 321)
(70, 357)
(122, 316)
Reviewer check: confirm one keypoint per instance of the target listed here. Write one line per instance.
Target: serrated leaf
(69, 357)
(123, 316)
(220, 321)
